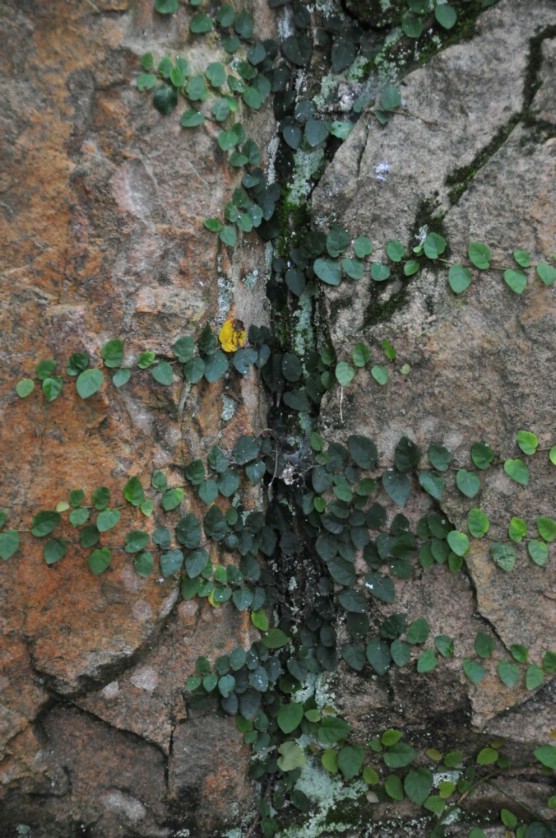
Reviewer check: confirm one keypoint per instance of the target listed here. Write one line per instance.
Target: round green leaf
(163, 373)
(503, 555)
(107, 519)
(446, 16)
(99, 560)
(24, 387)
(458, 541)
(112, 353)
(546, 528)
(468, 483)
(9, 544)
(480, 255)
(477, 523)
(328, 271)
(44, 523)
(546, 273)
(459, 278)
(362, 247)
(289, 717)
(517, 470)
(143, 563)
(380, 272)
(136, 540)
(516, 280)
(418, 784)
(509, 673)
(473, 670)
(427, 661)
(344, 373)
(538, 551)
(89, 382)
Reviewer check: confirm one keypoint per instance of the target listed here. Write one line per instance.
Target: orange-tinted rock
(102, 202)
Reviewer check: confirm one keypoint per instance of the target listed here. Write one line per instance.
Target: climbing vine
(329, 544)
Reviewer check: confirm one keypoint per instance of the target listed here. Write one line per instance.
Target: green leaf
(196, 89)
(399, 755)
(522, 257)
(480, 255)
(380, 272)
(328, 271)
(135, 541)
(107, 519)
(432, 483)
(24, 387)
(99, 560)
(45, 369)
(418, 631)
(517, 470)
(527, 441)
(439, 457)
(484, 645)
(509, 673)
(332, 729)
(101, 498)
(143, 563)
(477, 523)
(393, 787)
(519, 652)
(9, 544)
(228, 236)
(434, 245)
(291, 756)
(487, 756)
(134, 492)
(390, 737)
(538, 552)
(406, 455)
(192, 119)
(121, 377)
(534, 677)
(89, 382)
(362, 247)
(446, 16)
(482, 455)
(44, 523)
(546, 754)
(344, 373)
(289, 717)
(411, 267)
(350, 761)
(172, 498)
(166, 7)
(171, 561)
(201, 23)
(473, 670)
(378, 654)
(196, 562)
(163, 373)
(427, 661)
(380, 374)
(316, 131)
(353, 268)
(361, 354)
(395, 250)
(468, 483)
(390, 98)
(503, 555)
(418, 784)
(444, 645)
(458, 541)
(546, 527)
(517, 529)
(396, 486)
(515, 280)
(275, 638)
(54, 550)
(145, 360)
(459, 278)
(380, 586)
(52, 387)
(546, 273)
(363, 451)
(113, 353)
(400, 651)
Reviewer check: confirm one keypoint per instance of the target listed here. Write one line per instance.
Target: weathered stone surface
(102, 205)
(481, 364)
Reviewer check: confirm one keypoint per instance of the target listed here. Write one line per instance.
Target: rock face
(471, 155)
(102, 210)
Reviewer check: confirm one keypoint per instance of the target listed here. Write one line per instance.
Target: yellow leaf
(232, 335)
(212, 600)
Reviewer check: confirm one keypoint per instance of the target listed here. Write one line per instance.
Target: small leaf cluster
(511, 672)
(420, 14)
(461, 276)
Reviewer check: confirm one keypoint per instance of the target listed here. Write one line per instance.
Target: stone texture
(102, 203)
(482, 363)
